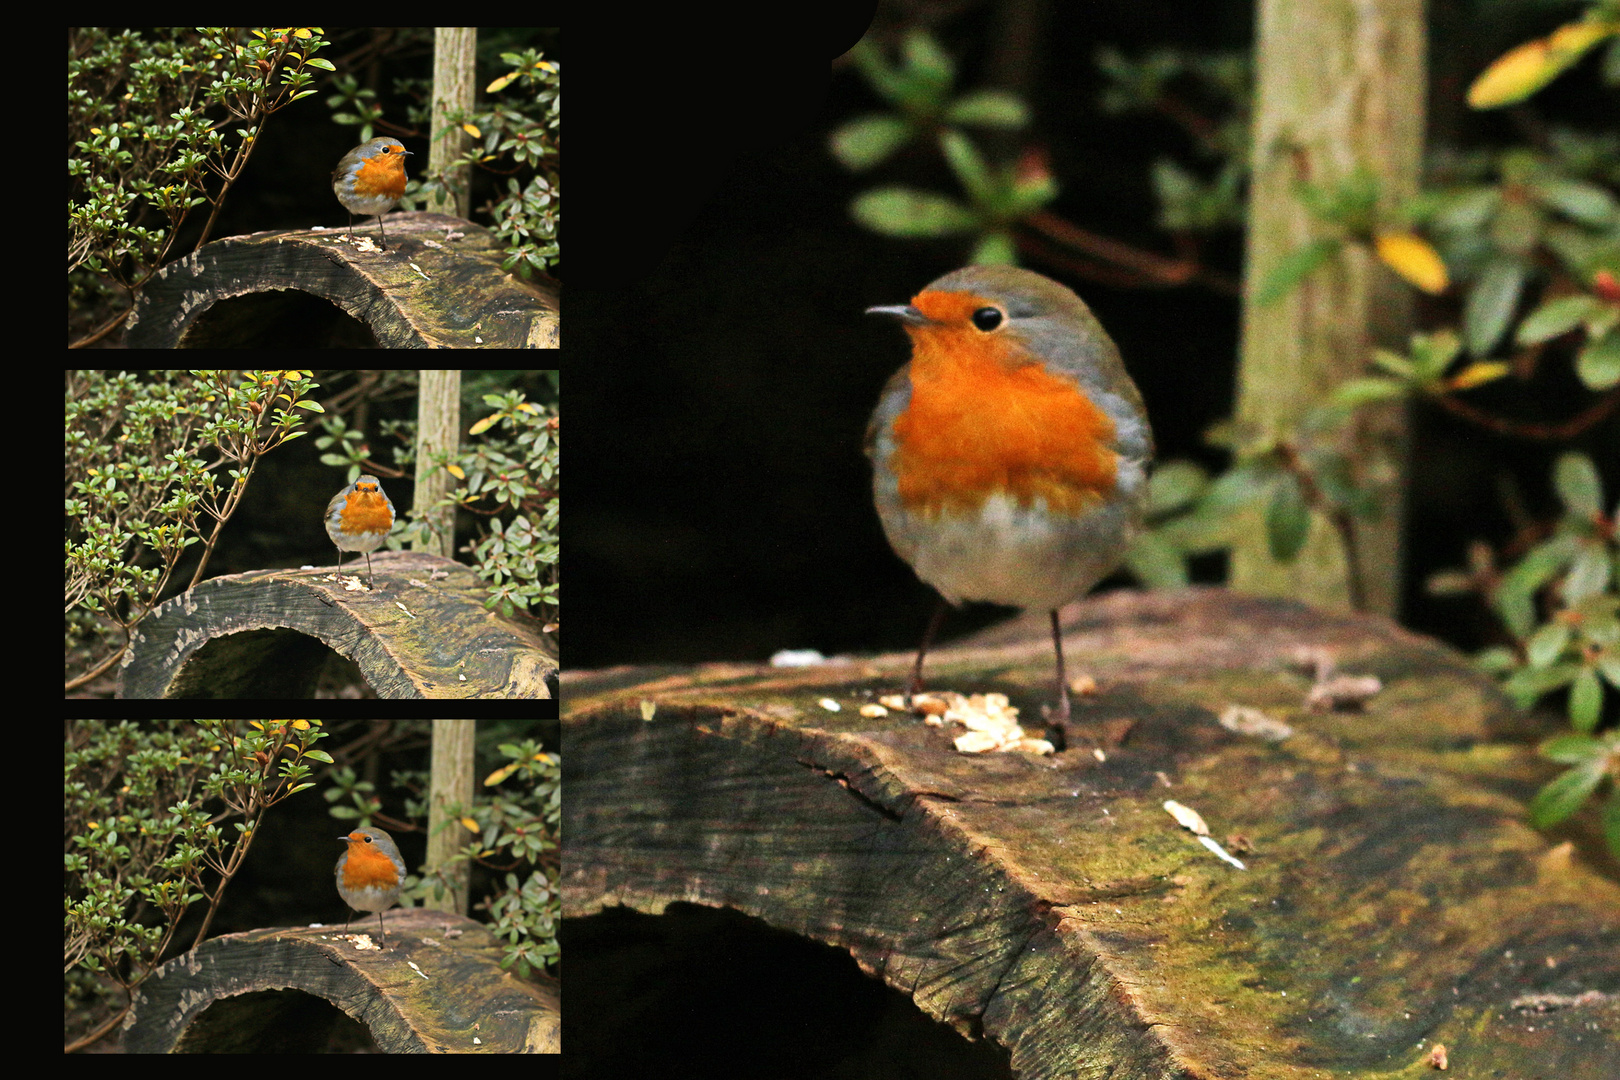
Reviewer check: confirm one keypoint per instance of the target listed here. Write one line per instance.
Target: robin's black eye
(988, 318)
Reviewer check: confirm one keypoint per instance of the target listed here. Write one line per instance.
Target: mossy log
(421, 632)
(1393, 897)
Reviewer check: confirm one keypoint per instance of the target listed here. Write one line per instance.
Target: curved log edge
(1393, 896)
(441, 285)
(423, 632)
(437, 988)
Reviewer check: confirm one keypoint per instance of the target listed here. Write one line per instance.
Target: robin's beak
(904, 312)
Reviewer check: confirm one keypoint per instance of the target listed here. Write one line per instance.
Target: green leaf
(926, 61)
(1156, 562)
(1433, 353)
(1515, 597)
(994, 249)
(1496, 659)
(1557, 317)
(1563, 795)
(1288, 519)
(1295, 268)
(1579, 201)
(1490, 305)
(869, 140)
(907, 212)
(989, 108)
(1393, 362)
(1175, 485)
(1588, 574)
(1586, 701)
(1358, 392)
(968, 164)
(1547, 644)
(1574, 750)
(1608, 664)
(1578, 485)
(1527, 685)
(1598, 364)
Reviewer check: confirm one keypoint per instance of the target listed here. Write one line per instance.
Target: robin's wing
(891, 403)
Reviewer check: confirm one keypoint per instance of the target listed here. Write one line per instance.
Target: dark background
(728, 372)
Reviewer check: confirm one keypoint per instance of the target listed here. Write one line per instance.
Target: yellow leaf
(1520, 72)
(1514, 76)
(500, 775)
(1412, 257)
(1477, 374)
(1573, 39)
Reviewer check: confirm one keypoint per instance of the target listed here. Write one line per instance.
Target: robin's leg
(1060, 715)
(914, 684)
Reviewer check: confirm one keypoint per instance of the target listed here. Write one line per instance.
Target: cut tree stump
(1393, 897)
(438, 988)
(424, 633)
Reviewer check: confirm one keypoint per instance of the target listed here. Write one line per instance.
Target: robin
(371, 179)
(358, 519)
(370, 873)
(1010, 455)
